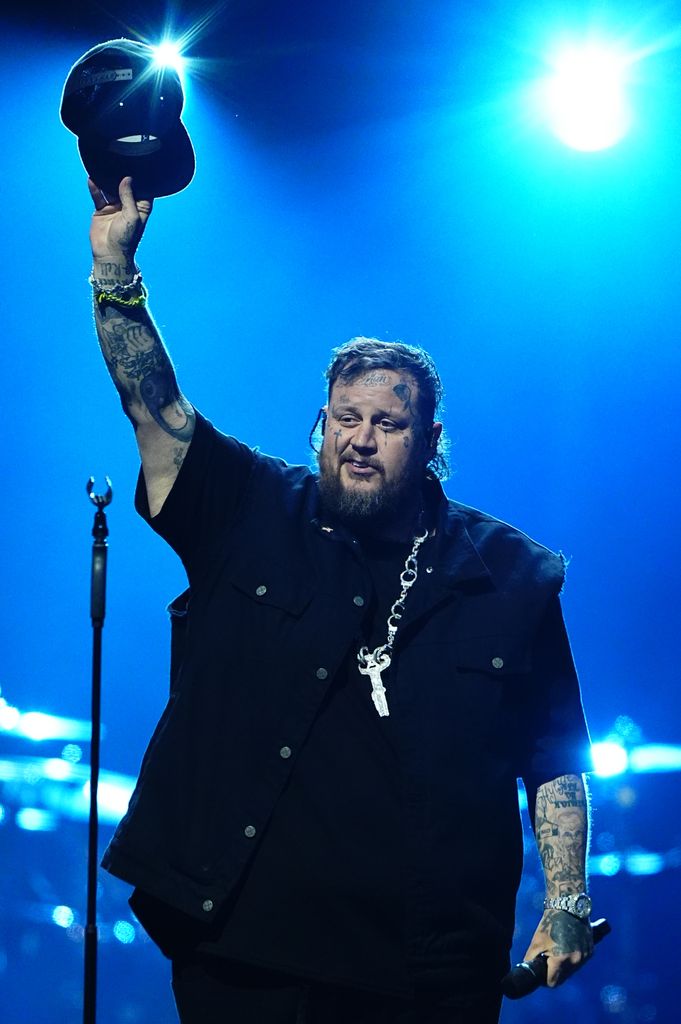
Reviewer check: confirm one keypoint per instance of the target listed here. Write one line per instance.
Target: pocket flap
(273, 585)
(496, 655)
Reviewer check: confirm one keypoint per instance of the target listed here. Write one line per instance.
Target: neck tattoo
(373, 663)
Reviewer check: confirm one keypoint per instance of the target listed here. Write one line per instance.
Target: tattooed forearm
(142, 371)
(561, 827)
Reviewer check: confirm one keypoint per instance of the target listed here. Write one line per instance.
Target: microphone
(526, 977)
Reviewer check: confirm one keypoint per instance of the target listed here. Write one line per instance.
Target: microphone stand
(100, 532)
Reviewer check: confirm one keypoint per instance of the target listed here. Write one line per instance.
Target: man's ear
(435, 435)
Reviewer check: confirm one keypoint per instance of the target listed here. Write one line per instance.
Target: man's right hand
(117, 228)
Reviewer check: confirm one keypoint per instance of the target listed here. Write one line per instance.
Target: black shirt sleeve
(556, 738)
(204, 500)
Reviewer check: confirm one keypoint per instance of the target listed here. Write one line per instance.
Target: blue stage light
(584, 99)
(168, 54)
(614, 998)
(72, 753)
(9, 716)
(38, 726)
(609, 759)
(58, 769)
(63, 916)
(644, 862)
(124, 932)
(34, 819)
(608, 864)
(113, 795)
(634, 862)
(656, 757)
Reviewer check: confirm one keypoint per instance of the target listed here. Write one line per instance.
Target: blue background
(371, 170)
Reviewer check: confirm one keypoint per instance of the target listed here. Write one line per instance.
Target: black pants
(210, 990)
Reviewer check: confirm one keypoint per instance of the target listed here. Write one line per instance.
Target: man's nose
(364, 438)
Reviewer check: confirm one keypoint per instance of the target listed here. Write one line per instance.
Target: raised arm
(561, 827)
(132, 347)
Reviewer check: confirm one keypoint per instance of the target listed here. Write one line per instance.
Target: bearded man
(325, 827)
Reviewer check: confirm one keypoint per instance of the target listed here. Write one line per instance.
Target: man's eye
(387, 425)
(347, 421)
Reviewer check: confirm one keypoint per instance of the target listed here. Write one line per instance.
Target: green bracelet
(137, 301)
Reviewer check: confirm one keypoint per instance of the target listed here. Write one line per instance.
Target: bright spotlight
(609, 759)
(168, 54)
(124, 932)
(584, 100)
(34, 819)
(63, 916)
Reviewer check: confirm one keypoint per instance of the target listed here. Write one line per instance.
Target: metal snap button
(358, 600)
(249, 831)
(285, 752)
(207, 905)
(497, 662)
(261, 590)
(322, 673)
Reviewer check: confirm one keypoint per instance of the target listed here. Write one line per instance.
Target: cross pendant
(371, 666)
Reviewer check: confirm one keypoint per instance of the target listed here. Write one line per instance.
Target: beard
(367, 507)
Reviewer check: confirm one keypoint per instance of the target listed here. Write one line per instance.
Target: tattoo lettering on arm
(142, 371)
(561, 827)
(108, 272)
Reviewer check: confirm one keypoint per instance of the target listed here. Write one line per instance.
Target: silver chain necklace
(373, 663)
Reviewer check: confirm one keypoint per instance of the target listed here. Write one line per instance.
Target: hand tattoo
(567, 934)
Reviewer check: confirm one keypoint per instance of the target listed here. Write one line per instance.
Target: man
(325, 827)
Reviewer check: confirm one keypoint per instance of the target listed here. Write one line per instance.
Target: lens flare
(609, 759)
(168, 54)
(584, 100)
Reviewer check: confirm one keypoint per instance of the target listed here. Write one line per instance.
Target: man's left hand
(567, 942)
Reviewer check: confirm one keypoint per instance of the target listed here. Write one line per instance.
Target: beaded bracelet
(135, 301)
(132, 295)
(131, 288)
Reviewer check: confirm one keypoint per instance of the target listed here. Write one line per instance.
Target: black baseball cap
(126, 111)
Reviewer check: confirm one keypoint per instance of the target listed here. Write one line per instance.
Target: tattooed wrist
(114, 271)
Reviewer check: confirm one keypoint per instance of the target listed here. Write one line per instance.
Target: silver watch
(578, 904)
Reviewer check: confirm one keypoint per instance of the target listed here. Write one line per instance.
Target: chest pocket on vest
(498, 656)
(273, 586)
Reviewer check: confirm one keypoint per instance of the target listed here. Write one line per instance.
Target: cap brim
(163, 172)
